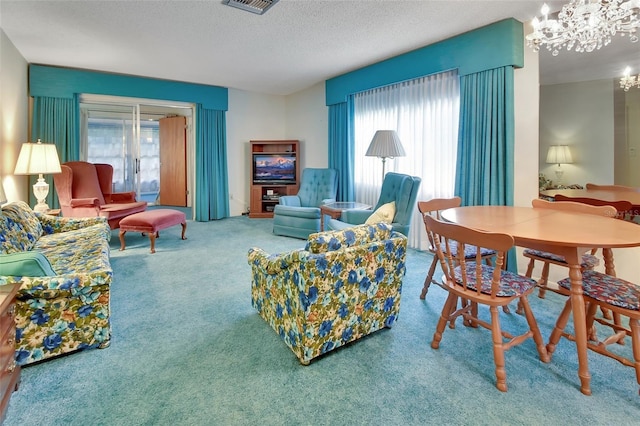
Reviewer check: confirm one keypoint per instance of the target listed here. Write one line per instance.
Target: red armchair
(84, 190)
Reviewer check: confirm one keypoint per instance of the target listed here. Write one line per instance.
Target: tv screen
(274, 168)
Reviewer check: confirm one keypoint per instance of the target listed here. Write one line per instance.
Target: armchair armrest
(290, 200)
(53, 225)
(274, 263)
(84, 202)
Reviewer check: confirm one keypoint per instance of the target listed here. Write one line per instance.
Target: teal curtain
(212, 186)
(341, 147)
(55, 120)
(484, 170)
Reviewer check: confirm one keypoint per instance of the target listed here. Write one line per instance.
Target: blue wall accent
(57, 82)
(496, 45)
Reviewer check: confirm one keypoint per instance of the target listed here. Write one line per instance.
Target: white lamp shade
(559, 154)
(385, 144)
(37, 158)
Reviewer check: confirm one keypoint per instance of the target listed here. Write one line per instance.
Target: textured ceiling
(295, 45)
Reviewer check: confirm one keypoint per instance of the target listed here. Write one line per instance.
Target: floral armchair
(342, 286)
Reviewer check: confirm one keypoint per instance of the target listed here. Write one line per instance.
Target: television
(274, 168)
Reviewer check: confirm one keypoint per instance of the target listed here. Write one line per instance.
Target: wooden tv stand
(265, 196)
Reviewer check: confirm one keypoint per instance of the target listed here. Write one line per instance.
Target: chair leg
(635, 342)
(449, 306)
(427, 281)
(558, 329)
(542, 282)
(544, 279)
(498, 350)
(530, 267)
(535, 330)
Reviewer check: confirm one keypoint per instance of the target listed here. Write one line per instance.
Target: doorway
(129, 135)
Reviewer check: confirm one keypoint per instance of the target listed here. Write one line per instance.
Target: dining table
(567, 234)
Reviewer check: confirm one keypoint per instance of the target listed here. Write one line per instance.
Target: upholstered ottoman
(151, 222)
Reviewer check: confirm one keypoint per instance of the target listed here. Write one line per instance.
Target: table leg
(580, 326)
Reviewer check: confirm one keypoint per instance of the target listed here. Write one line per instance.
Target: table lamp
(559, 154)
(385, 144)
(37, 159)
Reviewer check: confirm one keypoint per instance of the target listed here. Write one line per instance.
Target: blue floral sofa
(64, 270)
(342, 286)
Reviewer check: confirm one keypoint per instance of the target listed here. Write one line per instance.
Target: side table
(53, 212)
(334, 210)
(9, 370)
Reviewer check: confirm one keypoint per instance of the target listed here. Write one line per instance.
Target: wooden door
(173, 162)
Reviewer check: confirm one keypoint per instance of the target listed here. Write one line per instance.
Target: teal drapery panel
(55, 120)
(212, 185)
(484, 170)
(341, 147)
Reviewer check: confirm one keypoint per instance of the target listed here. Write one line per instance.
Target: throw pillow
(385, 213)
(26, 264)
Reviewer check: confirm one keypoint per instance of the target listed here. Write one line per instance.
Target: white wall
(255, 116)
(307, 121)
(579, 115)
(526, 105)
(251, 116)
(14, 117)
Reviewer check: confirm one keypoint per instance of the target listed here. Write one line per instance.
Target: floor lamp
(385, 144)
(37, 159)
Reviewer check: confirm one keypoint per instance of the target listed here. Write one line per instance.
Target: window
(424, 112)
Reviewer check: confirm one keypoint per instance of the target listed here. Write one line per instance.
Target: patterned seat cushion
(511, 285)
(608, 289)
(589, 261)
(469, 250)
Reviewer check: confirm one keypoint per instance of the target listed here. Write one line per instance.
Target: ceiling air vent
(254, 6)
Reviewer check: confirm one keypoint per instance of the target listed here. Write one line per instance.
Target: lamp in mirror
(38, 159)
(385, 144)
(559, 154)
(628, 81)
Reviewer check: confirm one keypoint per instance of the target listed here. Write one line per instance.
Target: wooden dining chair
(474, 281)
(611, 293)
(433, 208)
(589, 260)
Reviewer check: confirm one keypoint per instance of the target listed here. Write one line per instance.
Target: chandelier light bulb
(584, 25)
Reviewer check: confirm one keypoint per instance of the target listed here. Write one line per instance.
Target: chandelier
(628, 80)
(585, 25)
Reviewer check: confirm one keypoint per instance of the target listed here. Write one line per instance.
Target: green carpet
(188, 349)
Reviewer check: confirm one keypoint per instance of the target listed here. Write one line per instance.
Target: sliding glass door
(149, 145)
(115, 134)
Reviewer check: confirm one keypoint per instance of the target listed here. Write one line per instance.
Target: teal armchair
(299, 215)
(401, 188)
